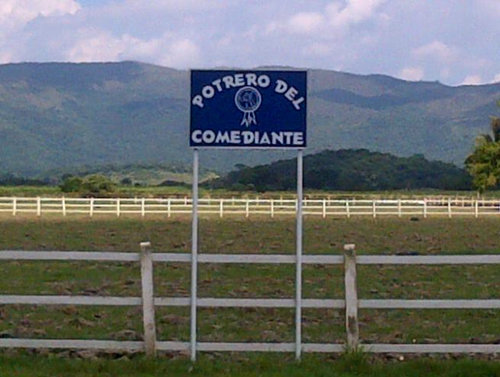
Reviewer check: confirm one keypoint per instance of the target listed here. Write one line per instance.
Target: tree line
(349, 170)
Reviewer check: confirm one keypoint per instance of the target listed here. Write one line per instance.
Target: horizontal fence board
(73, 344)
(432, 348)
(69, 300)
(172, 346)
(69, 256)
(171, 257)
(429, 304)
(247, 258)
(132, 346)
(249, 302)
(245, 347)
(428, 259)
(209, 302)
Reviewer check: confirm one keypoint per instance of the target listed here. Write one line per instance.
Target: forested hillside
(57, 115)
(349, 170)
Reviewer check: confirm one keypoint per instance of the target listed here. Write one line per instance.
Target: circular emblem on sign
(248, 100)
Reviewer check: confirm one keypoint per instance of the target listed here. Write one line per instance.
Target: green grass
(255, 235)
(244, 366)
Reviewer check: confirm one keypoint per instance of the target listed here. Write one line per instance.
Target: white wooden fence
(448, 207)
(351, 303)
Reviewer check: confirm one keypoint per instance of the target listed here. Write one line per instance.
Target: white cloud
(305, 22)
(353, 12)
(412, 73)
(16, 13)
(437, 50)
(98, 45)
(473, 80)
(318, 49)
(319, 24)
(182, 53)
(491, 6)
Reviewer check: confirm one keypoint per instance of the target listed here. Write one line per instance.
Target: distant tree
(126, 181)
(92, 185)
(97, 184)
(71, 184)
(484, 163)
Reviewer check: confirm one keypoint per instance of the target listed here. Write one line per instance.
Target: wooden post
(148, 307)
(351, 297)
(63, 204)
(425, 208)
(272, 207)
(476, 209)
(221, 208)
(399, 208)
(143, 207)
(118, 207)
(374, 209)
(449, 208)
(247, 208)
(91, 210)
(169, 207)
(348, 212)
(14, 206)
(324, 208)
(38, 207)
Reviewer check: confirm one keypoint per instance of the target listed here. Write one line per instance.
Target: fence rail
(269, 207)
(350, 303)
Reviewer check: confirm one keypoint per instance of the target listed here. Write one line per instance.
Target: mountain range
(63, 115)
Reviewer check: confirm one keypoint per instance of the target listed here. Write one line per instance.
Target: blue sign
(248, 109)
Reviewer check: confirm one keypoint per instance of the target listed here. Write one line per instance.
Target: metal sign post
(248, 109)
(194, 254)
(298, 264)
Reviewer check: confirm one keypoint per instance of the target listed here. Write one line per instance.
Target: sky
(454, 42)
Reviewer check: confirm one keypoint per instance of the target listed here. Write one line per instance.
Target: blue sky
(451, 41)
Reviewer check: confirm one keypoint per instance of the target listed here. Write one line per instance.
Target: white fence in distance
(350, 303)
(448, 207)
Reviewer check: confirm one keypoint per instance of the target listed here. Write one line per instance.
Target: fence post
(425, 208)
(374, 209)
(351, 297)
(143, 207)
(449, 208)
(272, 207)
(118, 207)
(348, 211)
(91, 209)
(14, 206)
(169, 207)
(148, 306)
(63, 204)
(476, 208)
(247, 208)
(399, 208)
(324, 207)
(221, 208)
(38, 206)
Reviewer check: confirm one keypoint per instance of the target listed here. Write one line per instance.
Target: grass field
(372, 236)
(245, 366)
